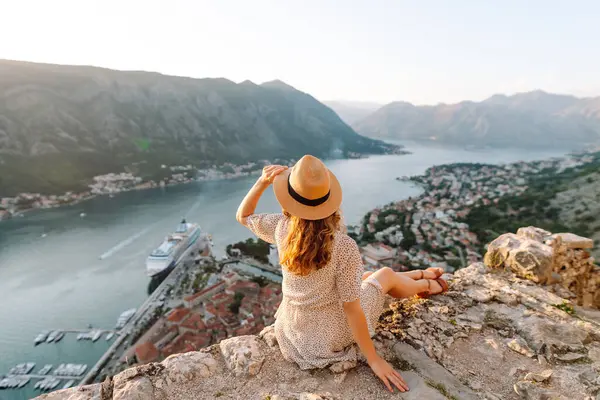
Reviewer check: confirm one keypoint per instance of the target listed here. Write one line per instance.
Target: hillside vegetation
(558, 202)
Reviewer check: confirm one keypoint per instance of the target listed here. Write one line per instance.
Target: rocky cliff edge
(497, 334)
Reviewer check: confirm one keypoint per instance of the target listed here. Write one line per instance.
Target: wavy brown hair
(309, 244)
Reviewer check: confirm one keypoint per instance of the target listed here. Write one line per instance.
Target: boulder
(88, 392)
(528, 258)
(243, 354)
(531, 260)
(574, 241)
(139, 388)
(189, 366)
(532, 232)
(540, 377)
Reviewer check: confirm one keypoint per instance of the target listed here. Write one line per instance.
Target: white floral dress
(311, 326)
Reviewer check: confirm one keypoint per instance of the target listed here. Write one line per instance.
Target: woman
(329, 302)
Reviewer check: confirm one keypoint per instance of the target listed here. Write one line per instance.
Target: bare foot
(435, 287)
(432, 273)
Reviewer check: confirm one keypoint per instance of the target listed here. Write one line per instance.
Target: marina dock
(37, 376)
(86, 330)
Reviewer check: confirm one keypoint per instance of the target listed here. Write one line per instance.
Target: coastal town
(114, 183)
(169, 175)
(428, 230)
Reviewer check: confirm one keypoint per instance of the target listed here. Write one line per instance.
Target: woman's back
(311, 326)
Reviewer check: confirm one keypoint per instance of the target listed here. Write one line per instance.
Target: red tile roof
(178, 314)
(204, 291)
(194, 321)
(146, 353)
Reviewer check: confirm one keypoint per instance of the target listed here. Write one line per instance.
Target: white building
(377, 253)
(273, 256)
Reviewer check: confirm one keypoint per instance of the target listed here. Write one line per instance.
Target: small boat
(43, 371)
(110, 336)
(82, 215)
(41, 337)
(82, 368)
(51, 336)
(68, 384)
(59, 336)
(125, 317)
(96, 336)
(23, 382)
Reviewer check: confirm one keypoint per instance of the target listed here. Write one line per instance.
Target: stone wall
(560, 260)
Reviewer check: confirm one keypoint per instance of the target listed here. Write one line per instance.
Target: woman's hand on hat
(270, 172)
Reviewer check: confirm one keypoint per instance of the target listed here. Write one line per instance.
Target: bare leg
(366, 274)
(400, 286)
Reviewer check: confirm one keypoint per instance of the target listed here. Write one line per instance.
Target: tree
(234, 307)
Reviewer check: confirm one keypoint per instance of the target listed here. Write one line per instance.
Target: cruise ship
(166, 255)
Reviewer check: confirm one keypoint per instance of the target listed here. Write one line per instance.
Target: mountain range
(352, 111)
(62, 125)
(532, 119)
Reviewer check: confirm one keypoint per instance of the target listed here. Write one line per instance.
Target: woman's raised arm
(248, 205)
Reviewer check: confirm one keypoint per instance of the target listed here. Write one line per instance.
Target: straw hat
(308, 190)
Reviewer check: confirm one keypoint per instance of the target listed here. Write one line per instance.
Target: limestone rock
(570, 357)
(555, 337)
(534, 233)
(342, 366)
(573, 241)
(89, 392)
(532, 260)
(528, 258)
(520, 346)
(480, 295)
(189, 366)
(541, 257)
(139, 388)
(268, 335)
(432, 372)
(540, 377)
(529, 390)
(242, 354)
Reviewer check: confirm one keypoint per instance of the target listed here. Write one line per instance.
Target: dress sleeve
(264, 225)
(349, 270)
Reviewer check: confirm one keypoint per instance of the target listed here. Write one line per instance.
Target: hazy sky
(419, 51)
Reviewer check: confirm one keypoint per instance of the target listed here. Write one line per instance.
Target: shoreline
(7, 214)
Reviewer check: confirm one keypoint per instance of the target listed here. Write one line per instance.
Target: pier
(86, 330)
(36, 376)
